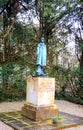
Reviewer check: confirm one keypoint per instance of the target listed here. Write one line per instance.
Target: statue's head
(42, 39)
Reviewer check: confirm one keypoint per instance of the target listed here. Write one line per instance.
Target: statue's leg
(42, 69)
(43, 74)
(39, 70)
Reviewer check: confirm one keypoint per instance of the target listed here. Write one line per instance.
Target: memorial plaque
(40, 91)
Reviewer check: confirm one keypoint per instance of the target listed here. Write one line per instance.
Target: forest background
(22, 23)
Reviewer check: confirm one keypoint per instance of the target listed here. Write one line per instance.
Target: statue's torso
(41, 54)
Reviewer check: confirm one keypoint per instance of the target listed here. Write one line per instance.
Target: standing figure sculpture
(41, 58)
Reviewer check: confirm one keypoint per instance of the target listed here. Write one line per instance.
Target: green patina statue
(41, 58)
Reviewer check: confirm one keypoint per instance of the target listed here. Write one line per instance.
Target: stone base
(39, 113)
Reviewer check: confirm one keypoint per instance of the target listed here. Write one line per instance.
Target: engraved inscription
(46, 86)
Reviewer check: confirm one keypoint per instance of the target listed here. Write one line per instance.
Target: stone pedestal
(40, 95)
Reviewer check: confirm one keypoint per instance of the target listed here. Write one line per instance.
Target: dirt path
(69, 107)
(63, 106)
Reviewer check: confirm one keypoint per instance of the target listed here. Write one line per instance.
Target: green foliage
(68, 97)
(57, 118)
(3, 3)
(61, 75)
(13, 83)
(70, 84)
(20, 45)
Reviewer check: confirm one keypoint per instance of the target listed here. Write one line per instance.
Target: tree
(56, 23)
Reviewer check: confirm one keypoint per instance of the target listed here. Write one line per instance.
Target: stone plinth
(40, 95)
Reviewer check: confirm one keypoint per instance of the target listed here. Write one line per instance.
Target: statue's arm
(45, 50)
(37, 50)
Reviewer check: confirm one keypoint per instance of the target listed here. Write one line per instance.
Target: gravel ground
(69, 107)
(63, 106)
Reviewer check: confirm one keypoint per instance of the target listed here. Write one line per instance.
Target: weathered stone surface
(40, 95)
(19, 122)
(40, 91)
(39, 113)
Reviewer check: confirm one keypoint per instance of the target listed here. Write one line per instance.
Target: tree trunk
(81, 61)
(6, 39)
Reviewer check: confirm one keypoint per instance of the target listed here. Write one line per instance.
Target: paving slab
(4, 126)
(19, 122)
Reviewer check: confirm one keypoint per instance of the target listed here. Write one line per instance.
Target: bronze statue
(41, 58)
